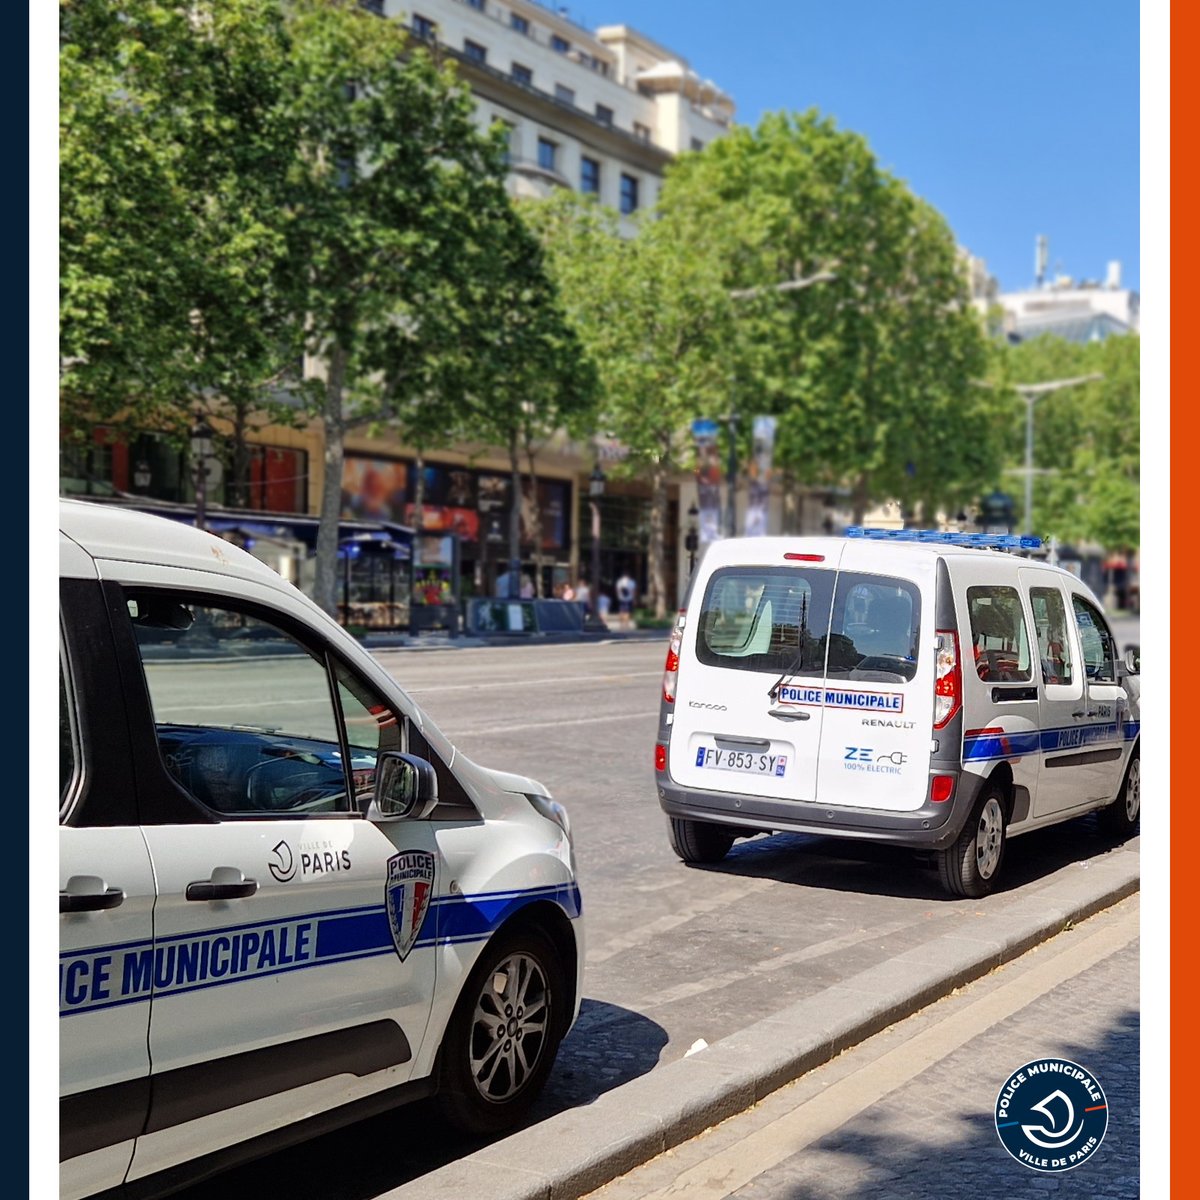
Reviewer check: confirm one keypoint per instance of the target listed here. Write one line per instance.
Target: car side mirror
(1133, 659)
(406, 788)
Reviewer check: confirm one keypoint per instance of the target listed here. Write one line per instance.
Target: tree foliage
(1086, 438)
(653, 315)
(872, 373)
(172, 161)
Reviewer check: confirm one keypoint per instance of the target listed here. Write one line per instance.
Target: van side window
(765, 619)
(1099, 649)
(1050, 625)
(247, 718)
(67, 757)
(875, 630)
(998, 635)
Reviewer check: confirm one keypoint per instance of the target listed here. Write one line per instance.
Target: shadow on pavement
(946, 1151)
(869, 868)
(607, 1047)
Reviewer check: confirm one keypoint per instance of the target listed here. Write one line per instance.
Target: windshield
(788, 621)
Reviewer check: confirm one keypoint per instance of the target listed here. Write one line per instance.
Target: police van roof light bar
(984, 541)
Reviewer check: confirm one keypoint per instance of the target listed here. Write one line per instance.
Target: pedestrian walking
(626, 592)
(583, 595)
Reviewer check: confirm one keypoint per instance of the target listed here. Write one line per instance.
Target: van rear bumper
(930, 827)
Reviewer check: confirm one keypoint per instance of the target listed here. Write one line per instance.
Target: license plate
(745, 762)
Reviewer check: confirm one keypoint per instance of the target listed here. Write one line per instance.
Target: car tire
(515, 999)
(698, 841)
(971, 866)
(1121, 818)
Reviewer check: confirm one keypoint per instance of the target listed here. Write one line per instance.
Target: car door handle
(217, 888)
(73, 902)
(1083, 712)
(782, 714)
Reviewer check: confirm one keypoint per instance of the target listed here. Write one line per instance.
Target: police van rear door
(879, 679)
(748, 712)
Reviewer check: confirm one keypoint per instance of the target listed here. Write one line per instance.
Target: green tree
(853, 319)
(379, 195)
(173, 160)
(653, 314)
(1086, 438)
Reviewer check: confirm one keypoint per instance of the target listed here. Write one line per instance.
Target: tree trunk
(325, 586)
(514, 520)
(239, 465)
(658, 526)
(418, 517)
(791, 518)
(862, 497)
(535, 522)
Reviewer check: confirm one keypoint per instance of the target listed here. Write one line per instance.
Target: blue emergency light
(984, 541)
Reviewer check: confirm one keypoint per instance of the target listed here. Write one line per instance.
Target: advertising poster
(708, 479)
(760, 476)
(375, 489)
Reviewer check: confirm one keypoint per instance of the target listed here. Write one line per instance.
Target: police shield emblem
(409, 889)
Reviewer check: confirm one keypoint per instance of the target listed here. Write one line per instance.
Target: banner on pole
(708, 479)
(760, 476)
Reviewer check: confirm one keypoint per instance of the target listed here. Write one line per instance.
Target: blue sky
(1012, 119)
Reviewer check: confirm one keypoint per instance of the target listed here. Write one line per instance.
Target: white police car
(913, 687)
(287, 902)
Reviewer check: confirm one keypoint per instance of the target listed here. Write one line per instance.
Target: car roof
(767, 550)
(126, 535)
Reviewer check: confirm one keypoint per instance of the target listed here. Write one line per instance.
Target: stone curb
(581, 1149)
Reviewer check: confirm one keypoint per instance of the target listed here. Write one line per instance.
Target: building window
(481, 5)
(522, 74)
(564, 93)
(641, 131)
(697, 144)
(559, 43)
(629, 194)
(423, 27)
(520, 24)
(604, 114)
(475, 52)
(547, 154)
(589, 176)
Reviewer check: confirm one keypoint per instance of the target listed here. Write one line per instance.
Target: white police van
(913, 687)
(286, 901)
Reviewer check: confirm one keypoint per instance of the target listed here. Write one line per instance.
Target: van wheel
(971, 866)
(1120, 818)
(502, 1039)
(697, 841)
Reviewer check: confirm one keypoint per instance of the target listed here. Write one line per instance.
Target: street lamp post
(731, 500)
(1031, 393)
(595, 491)
(201, 446)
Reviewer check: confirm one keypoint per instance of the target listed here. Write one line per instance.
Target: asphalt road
(675, 954)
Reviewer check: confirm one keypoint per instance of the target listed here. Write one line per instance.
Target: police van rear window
(788, 620)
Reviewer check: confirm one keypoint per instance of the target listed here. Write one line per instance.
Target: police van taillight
(671, 669)
(947, 688)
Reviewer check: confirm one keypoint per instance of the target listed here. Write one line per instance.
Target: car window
(246, 717)
(68, 757)
(1095, 641)
(1050, 626)
(875, 631)
(765, 619)
(998, 635)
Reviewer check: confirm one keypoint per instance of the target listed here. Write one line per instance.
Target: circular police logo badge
(1051, 1114)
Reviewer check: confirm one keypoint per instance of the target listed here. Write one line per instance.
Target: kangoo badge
(1051, 1115)
(409, 889)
